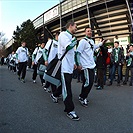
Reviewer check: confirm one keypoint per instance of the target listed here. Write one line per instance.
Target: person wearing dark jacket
(128, 68)
(101, 66)
(117, 59)
(130, 54)
(2, 60)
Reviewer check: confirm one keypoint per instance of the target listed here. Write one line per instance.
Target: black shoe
(96, 85)
(18, 77)
(99, 88)
(72, 115)
(43, 84)
(124, 83)
(130, 84)
(22, 80)
(109, 84)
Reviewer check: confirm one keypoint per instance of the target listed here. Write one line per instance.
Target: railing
(66, 7)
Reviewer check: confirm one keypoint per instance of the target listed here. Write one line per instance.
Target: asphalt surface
(27, 108)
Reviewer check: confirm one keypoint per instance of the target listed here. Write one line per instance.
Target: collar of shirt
(41, 48)
(55, 40)
(69, 32)
(88, 37)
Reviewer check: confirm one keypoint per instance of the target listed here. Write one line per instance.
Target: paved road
(26, 108)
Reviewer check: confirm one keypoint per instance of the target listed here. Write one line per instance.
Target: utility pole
(88, 12)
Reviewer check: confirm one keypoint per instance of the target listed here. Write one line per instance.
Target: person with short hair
(117, 59)
(2, 60)
(86, 63)
(22, 54)
(67, 41)
(37, 54)
(130, 54)
(51, 50)
(13, 62)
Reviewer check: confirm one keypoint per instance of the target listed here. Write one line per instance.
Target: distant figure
(22, 57)
(2, 60)
(117, 59)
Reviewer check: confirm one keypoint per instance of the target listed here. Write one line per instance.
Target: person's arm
(34, 54)
(72, 44)
(47, 47)
(45, 57)
(131, 55)
(17, 52)
(99, 44)
(17, 56)
(80, 50)
(104, 51)
(77, 59)
(28, 54)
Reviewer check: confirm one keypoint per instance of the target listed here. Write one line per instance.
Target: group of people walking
(80, 58)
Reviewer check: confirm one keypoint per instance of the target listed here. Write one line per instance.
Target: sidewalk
(27, 108)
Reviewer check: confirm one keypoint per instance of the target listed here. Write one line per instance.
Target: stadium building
(109, 19)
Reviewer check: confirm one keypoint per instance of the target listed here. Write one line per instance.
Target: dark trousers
(22, 69)
(57, 91)
(53, 87)
(47, 84)
(67, 92)
(114, 67)
(127, 74)
(13, 68)
(100, 75)
(131, 81)
(42, 80)
(79, 75)
(88, 79)
(34, 72)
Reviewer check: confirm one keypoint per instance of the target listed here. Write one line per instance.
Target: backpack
(40, 66)
(53, 71)
(108, 59)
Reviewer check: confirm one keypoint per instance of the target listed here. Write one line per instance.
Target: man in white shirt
(13, 62)
(51, 50)
(37, 54)
(86, 63)
(66, 41)
(22, 57)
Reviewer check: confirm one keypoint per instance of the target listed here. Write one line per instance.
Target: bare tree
(3, 40)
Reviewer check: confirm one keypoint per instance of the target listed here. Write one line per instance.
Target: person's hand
(75, 66)
(46, 63)
(79, 68)
(104, 41)
(18, 61)
(128, 54)
(33, 63)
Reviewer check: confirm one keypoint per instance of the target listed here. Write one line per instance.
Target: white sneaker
(55, 99)
(47, 89)
(34, 81)
(43, 84)
(83, 102)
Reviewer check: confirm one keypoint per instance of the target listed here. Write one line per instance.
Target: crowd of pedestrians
(87, 61)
